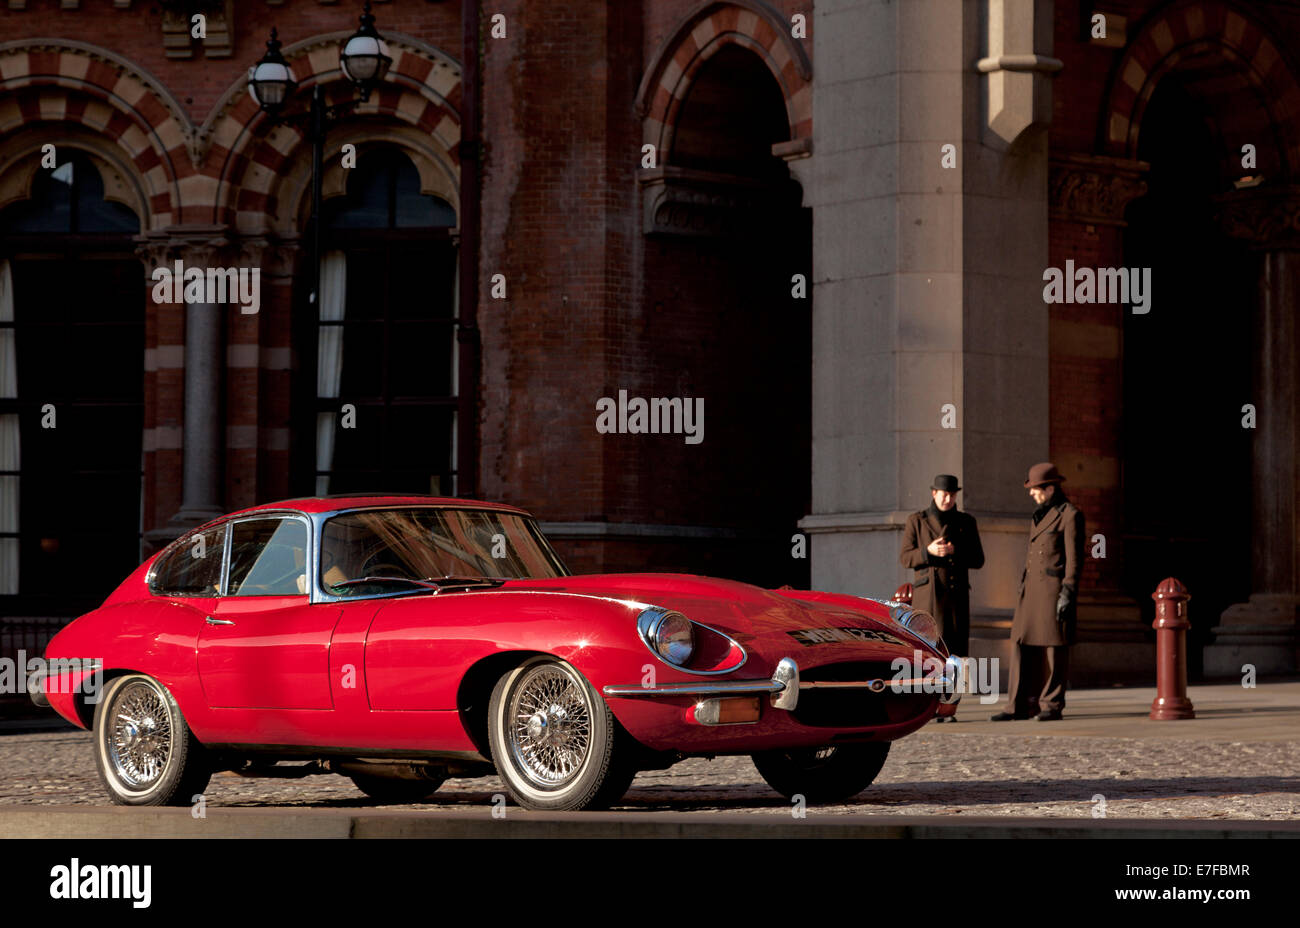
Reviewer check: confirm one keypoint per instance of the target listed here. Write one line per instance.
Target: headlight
(921, 624)
(669, 634)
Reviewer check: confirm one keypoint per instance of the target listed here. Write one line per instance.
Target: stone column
(928, 282)
(203, 451)
(1263, 630)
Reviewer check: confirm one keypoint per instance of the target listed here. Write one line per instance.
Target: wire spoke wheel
(146, 755)
(554, 741)
(142, 736)
(550, 726)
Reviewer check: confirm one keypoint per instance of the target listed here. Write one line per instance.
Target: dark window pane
(420, 362)
(419, 438)
(416, 210)
(384, 193)
(422, 283)
(366, 203)
(367, 277)
(363, 361)
(360, 448)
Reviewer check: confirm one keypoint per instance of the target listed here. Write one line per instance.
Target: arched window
(71, 392)
(385, 361)
(69, 199)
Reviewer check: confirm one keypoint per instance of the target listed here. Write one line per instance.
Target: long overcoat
(1054, 560)
(941, 585)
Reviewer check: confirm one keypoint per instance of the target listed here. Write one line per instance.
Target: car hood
(750, 614)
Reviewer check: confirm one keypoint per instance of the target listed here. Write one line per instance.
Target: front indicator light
(729, 711)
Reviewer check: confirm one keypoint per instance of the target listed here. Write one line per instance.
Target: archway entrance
(723, 322)
(1187, 372)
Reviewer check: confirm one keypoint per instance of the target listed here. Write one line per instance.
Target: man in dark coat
(941, 545)
(1043, 626)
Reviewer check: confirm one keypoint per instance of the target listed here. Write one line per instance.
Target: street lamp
(364, 60)
(364, 57)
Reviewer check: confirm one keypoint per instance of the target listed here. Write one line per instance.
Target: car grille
(854, 708)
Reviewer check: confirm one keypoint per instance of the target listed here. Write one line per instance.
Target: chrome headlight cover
(668, 633)
(919, 623)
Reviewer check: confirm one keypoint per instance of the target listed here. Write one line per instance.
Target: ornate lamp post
(364, 60)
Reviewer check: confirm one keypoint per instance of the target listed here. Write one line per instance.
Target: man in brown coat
(941, 544)
(1043, 626)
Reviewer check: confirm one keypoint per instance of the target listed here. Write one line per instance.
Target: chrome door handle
(212, 621)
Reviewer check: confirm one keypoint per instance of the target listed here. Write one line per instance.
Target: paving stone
(934, 771)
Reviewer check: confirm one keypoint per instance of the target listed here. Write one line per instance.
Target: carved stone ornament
(683, 201)
(1092, 188)
(1264, 217)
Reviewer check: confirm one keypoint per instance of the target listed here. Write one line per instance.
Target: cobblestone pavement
(929, 773)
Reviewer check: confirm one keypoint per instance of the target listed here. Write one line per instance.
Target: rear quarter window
(192, 567)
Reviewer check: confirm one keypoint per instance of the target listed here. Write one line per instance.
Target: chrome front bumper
(36, 689)
(784, 685)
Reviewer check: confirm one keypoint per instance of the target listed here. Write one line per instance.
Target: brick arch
(698, 36)
(264, 169)
(1178, 35)
(74, 84)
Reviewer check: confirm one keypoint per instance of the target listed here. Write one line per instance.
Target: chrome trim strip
(877, 685)
(721, 687)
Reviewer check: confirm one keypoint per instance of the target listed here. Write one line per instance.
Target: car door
(266, 645)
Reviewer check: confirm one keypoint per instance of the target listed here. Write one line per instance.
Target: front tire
(145, 752)
(829, 774)
(554, 741)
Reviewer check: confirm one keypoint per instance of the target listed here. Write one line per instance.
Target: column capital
(187, 242)
(1093, 189)
(276, 257)
(1266, 218)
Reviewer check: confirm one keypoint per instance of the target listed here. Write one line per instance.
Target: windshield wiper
(449, 580)
(429, 583)
(359, 580)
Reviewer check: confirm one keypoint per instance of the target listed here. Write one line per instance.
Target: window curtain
(9, 449)
(329, 360)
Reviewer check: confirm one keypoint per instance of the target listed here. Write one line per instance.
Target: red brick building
(857, 306)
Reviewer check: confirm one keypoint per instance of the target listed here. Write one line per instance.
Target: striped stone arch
(698, 36)
(1255, 97)
(264, 170)
(97, 100)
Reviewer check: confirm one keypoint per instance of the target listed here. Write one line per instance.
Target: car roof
(318, 504)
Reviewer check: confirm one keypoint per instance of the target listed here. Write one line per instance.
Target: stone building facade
(829, 222)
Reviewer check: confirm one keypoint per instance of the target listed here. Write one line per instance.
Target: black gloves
(1063, 602)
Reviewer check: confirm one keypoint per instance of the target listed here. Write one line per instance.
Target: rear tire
(145, 753)
(829, 774)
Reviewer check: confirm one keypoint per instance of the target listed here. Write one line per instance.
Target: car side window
(192, 567)
(268, 557)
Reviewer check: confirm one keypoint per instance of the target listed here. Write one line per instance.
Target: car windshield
(428, 543)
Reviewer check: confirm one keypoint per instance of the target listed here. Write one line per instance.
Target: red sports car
(400, 641)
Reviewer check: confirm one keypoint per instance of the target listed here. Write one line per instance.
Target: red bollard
(904, 594)
(1171, 627)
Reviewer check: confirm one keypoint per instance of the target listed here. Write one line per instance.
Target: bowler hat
(945, 482)
(1040, 475)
